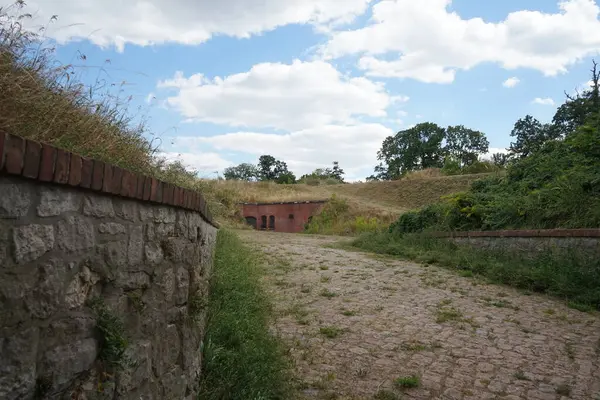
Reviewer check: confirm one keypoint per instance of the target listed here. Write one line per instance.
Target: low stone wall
(531, 242)
(102, 296)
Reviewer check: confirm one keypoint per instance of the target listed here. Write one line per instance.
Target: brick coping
(588, 232)
(49, 164)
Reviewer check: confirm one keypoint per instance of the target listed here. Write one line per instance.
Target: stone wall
(101, 296)
(531, 242)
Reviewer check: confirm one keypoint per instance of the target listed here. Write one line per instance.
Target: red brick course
(46, 163)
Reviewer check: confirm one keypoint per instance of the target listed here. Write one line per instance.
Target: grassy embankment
(242, 359)
(573, 277)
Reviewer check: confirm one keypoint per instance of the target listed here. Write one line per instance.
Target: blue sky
(313, 81)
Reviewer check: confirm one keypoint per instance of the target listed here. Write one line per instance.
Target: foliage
(241, 172)
(324, 175)
(427, 145)
(112, 330)
(335, 218)
(271, 169)
(530, 136)
(552, 182)
(242, 358)
(560, 273)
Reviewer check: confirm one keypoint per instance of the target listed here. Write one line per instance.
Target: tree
(577, 109)
(416, 148)
(500, 159)
(241, 172)
(530, 136)
(465, 145)
(337, 172)
(271, 169)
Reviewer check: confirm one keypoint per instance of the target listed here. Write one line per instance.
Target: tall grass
(565, 274)
(43, 100)
(337, 217)
(242, 359)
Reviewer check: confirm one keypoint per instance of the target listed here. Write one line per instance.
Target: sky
(312, 81)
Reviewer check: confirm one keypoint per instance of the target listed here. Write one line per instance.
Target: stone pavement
(355, 323)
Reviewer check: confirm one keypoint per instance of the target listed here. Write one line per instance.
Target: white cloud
(282, 96)
(546, 101)
(204, 163)
(511, 82)
(355, 147)
(117, 22)
(433, 43)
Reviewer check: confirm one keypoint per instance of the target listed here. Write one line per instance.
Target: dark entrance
(272, 222)
(251, 221)
(263, 222)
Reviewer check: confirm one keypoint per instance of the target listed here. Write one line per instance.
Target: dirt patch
(366, 327)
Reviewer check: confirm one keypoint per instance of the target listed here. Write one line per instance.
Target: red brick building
(281, 217)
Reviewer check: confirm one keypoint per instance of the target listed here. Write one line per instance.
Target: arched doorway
(251, 221)
(263, 222)
(272, 222)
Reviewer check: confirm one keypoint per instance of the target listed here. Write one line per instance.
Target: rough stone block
(75, 234)
(183, 283)
(33, 155)
(61, 167)
(153, 253)
(98, 206)
(18, 366)
(135, 248)
(47, 163)
(115, 254)
(48, 294)
(32, 241)
(173, 345)
(174, 384)
(15, 200)
(15, 154)
(64, 363)
(126, 209)
(55, 201)
(75, 170)
(2, 149)
(111, 228)
(80, 287)
(134, 377)
(165, 214)
(133, 280)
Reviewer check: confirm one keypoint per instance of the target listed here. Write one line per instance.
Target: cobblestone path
(355, 323)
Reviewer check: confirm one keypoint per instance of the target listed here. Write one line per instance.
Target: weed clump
(113, 341)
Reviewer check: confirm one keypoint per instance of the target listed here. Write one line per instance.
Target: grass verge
(565, 274)
(242, 359)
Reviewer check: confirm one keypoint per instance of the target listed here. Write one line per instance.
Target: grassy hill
(381, 200)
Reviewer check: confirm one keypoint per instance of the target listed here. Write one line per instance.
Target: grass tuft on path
(242, 359)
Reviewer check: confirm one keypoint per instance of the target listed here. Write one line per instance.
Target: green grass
(331, 332)
(410, 381)
(568, 275)
(242, 359)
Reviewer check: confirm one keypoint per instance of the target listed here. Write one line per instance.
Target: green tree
(337, 172)
(241, 172)
(271, 169)
(530, 135)
(500, 159)
(465, 145)
(412, 149)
